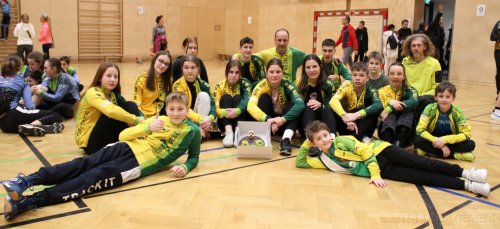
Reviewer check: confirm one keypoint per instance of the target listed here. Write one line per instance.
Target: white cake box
(260, 129)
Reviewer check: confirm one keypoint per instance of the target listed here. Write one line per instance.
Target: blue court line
(467, 197)
(212, 149)
(491, 144)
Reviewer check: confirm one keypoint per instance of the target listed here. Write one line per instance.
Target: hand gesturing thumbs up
(156, 124)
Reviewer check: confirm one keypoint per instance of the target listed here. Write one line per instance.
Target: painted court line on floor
(467, 197)
(188, 178)
(436, 221)
(37, 220)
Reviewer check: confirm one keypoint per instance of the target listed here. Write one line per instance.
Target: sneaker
(495, 115)
(55, 128)
(13, 208)
(478, 188)
(228, 140)
(16, 186)
(421, 152)
(285, 147)
(467, 156)
(31, 130)
(477, 175)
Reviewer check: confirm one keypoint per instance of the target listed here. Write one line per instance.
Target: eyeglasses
(164, 63)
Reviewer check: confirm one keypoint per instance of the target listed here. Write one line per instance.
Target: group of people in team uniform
(173, 109)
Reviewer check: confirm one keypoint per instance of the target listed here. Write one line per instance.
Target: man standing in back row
(348, 39)
(291, 58)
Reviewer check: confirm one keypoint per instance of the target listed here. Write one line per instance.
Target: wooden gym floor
(225, 192)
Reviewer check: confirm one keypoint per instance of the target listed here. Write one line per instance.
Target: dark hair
(376, 55)
(348, 18)
(245, 40)
(315, 127)
(36, 75)
(421, 26)
(362, 23)
(191, 58)
(390, 27)
(65, 59)
(189, 40)
(37, 57)
(359, 66)
(165, 76)
(304, 78)
(328, 42)
(158, 18)
(429, 47)
(25, 18)
(54, 62)
(230, 65)
(274, 61)
(11, 65)
(404, 84)
(404, 20)
(446, 86)
(281, 29)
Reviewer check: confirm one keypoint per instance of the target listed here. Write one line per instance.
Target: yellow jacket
(92, 105)
(181, 86)
(149, 102)
(242, 88)
(459, 126)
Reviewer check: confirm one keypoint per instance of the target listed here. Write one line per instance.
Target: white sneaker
(477, 175)
(478, 188)
(228, 140)
(495, 115)
(366, 140)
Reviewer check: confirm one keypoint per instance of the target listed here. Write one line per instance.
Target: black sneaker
(31, 130)
(54, 128)
(285, 147)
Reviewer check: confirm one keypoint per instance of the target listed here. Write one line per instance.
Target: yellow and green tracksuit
(242, 88)
(181, 86)
(368, 101)
(94, 104)
(347, 152)
(155, 150)
(149, 102)
(459, 126)
(292, 60)
(288, 93)
(407, 95)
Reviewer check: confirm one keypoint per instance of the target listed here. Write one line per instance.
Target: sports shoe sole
(7, 208)
(31, 130)
(55, 128)
(11, 193)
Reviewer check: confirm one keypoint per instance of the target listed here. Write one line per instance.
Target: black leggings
(45, 50)
(366, 126)
(497, 61)
(23, 51)
(325, 115)
(66, 110)
(107, 130)
(266, 105)
(399, 165)
(13, 118)
(397, 127)
(461, 147)
(228, 101)
(108, 168)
